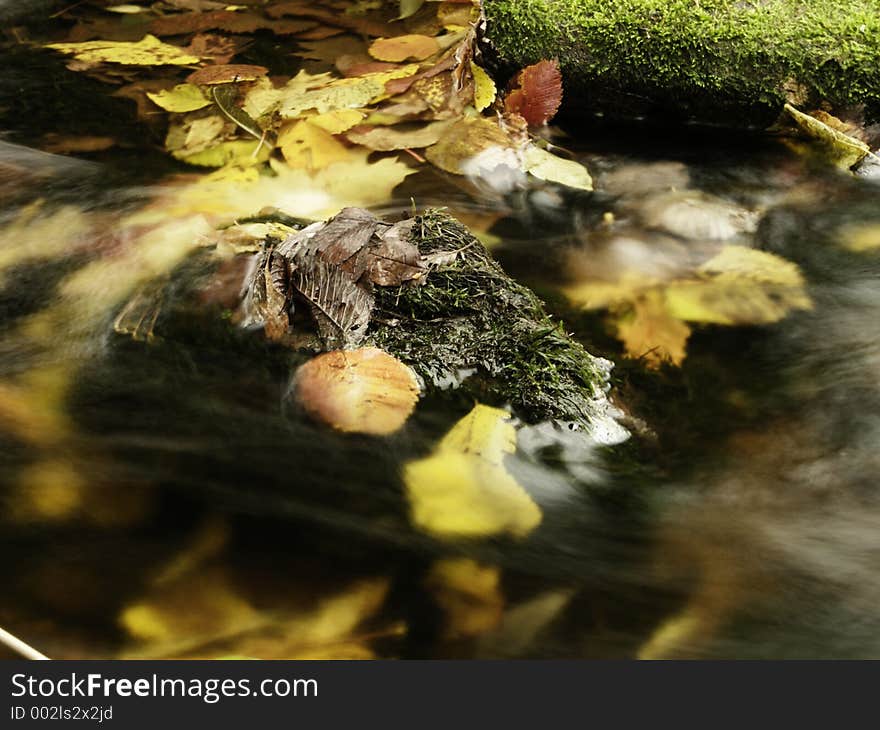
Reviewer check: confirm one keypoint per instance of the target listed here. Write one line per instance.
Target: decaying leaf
(839, 148)
(399, 137)
(546, 166)
(536, 93)
(149, 51)
(463, 490)
(362, 391)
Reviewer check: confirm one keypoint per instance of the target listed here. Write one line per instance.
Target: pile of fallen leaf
(383, 77)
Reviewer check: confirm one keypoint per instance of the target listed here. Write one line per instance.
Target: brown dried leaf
(359, 391)
(536, 93)
(227, 73)
(403, 137)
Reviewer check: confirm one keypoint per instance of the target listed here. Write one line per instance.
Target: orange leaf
(536, 93)
(404, 47)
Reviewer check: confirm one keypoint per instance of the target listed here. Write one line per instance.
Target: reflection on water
(161, 498)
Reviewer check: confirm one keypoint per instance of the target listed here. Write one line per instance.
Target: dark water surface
(161, 497)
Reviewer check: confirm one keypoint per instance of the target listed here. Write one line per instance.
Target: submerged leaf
(361, 391)
(649, 332)
(739, 286)
(463, 489)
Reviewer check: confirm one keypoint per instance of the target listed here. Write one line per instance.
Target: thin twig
(18, 646)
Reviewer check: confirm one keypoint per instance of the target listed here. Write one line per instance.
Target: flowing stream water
(161, 498)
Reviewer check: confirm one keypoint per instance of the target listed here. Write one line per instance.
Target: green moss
(705, 58)
(469, 315)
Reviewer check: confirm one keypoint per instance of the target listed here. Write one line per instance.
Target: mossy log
(728, 62)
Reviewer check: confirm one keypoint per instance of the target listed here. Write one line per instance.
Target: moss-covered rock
(719, 61)
(468, 316)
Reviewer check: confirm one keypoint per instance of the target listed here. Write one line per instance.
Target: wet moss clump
(468, 316)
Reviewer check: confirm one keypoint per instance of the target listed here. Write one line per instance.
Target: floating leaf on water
(861, 237)
(404, 48)
(469, 594)
(739, 285)
(462, 490)
(839, 148)
(149, 51)
(464, 140)
(547, 166)
(484, 88)
(353, 182)
(360, 391)
(182, 98)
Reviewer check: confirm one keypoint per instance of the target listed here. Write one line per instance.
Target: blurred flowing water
(160, 497)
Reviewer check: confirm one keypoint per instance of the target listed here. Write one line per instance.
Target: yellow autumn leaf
(201, 607)
(469, 594)
(739, 285)
(354, 182)
(546, 166)
(149, 51)
(310, 147)
(182, 98)
(463, 490)
(300, 96)
(649, 332)
(484, 88)
(338, 120)
(861, 237)
(235, 152)
(404, 48)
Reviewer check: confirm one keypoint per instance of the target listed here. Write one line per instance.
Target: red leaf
(536, 93)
